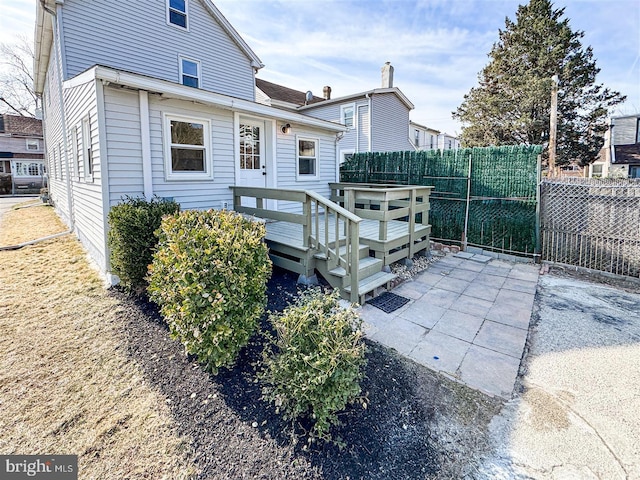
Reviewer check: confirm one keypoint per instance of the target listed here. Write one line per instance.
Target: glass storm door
(252, 163)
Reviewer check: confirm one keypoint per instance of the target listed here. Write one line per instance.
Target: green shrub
(317, 367)
(132, 237)
(209, 277)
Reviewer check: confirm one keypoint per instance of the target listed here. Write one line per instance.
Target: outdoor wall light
(286, 128)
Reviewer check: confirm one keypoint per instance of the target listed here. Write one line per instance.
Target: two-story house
(376, 120)
(424, 138)
(620, 156)
(161, 101)
(21, 154)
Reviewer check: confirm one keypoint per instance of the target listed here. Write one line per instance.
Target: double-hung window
(307, 158)
(187, 148)
(33, 144)
(87, 150)
(177, 12)
(416, 137)
(347, 115)
(189, 72)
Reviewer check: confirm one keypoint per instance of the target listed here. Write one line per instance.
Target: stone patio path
(468, 318)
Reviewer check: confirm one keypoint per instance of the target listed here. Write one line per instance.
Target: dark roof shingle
(284, 94)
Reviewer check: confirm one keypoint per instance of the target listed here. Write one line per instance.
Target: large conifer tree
(512, 102)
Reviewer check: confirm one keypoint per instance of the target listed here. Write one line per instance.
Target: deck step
(366, 266)
(362, 249)
(369, 284)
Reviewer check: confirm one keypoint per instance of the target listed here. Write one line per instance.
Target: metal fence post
(466, 213)
(537, 254)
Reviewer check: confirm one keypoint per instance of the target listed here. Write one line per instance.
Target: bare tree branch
(16, 77)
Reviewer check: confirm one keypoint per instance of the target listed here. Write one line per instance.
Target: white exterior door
(252, 168)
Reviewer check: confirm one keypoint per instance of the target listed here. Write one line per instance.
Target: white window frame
(75, 155)
(307, 176)
(182, 58)
(169, 174)
(87, 150)
(185, 13)
(343, 109)
(32, 141)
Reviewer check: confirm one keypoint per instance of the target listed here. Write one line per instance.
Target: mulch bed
(417, 424)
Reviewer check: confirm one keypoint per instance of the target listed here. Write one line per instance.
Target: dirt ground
(95, 373)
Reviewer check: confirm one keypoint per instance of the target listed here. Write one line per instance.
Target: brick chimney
(326, 92)
(387, 75)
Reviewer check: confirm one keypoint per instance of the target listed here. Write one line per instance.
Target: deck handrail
(313, 206)
(407, 200)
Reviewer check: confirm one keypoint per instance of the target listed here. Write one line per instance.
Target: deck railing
(327, 228)
(384, 203)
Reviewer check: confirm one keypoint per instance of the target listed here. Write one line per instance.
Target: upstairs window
(346, 115)
(177, 13)
(189, 72)
(638, 132)
(416, 137)
(33, 144)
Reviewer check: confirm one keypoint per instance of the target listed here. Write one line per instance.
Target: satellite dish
(308, 96)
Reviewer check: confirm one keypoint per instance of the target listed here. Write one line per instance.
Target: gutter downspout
(368, 97)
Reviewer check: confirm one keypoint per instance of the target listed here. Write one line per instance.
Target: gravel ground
(418, 424)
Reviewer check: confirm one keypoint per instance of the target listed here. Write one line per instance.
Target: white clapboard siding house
(161, 101)
(377, 120)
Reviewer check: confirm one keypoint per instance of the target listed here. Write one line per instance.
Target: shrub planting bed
(417, 424)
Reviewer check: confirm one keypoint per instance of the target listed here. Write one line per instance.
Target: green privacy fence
(485, 197)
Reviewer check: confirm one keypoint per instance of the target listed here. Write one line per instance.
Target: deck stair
(351, 244)
(371, 277)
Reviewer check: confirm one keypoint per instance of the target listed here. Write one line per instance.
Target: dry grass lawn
(66, 384)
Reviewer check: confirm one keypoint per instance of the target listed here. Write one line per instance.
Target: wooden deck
(389, 250)
(347, 244)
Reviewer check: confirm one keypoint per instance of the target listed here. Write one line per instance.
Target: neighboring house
(448, 142)
(376, 120)
(161, 101)
(423, 138)
(620, 156)
(21, 153)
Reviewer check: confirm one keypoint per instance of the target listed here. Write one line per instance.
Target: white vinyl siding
(333, 113)
(142, 42)
(389, 122)
(625, 131)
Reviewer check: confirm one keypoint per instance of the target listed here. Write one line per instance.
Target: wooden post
(553, 126)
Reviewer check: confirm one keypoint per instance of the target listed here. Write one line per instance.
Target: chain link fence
(592, 223)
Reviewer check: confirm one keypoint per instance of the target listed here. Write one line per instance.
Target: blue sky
(437, 47)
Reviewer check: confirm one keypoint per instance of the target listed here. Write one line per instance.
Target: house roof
(375, 91)
(43, 38)
(284, 94)
(175, 90)
(625, 154)
(21, 126)
(418, 125)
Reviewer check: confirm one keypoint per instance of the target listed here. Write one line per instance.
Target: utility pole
(553, 125)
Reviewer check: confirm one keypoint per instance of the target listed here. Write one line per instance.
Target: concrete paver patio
(468, 318)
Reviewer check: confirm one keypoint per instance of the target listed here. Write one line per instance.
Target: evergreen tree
(512, 102)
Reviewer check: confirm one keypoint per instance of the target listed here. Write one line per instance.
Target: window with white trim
(346, 155)
(189, 72)
(87, 150)
(307, 157)
(416, 137)
(177, 13)
(347, 115)
(33, 144)
(187, 148)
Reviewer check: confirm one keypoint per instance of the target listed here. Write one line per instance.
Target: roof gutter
(175, 90)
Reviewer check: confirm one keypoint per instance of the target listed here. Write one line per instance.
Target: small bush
(209, 277)
(132, 237)
(317, 369)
